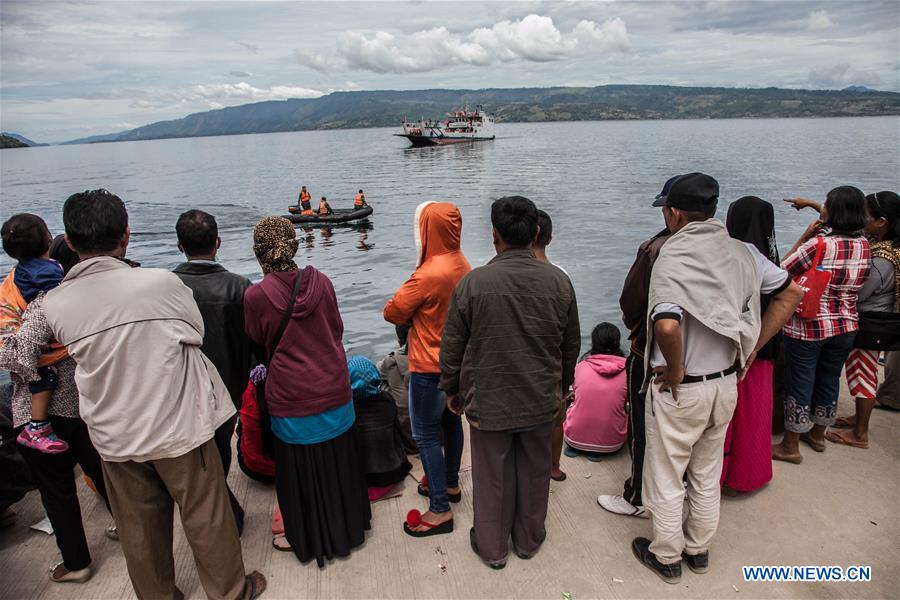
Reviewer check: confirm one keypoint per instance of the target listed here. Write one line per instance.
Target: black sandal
(454, 498)
(255, 585)
(445, 527)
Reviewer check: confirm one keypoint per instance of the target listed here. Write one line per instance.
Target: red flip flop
(414, 519)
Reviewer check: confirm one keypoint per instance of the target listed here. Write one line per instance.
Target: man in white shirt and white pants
(704, 330)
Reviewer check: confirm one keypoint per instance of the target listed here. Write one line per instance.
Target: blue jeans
(813, 380)
(428, 414)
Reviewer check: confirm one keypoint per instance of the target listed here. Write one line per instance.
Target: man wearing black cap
(633, 303)
(704, 328)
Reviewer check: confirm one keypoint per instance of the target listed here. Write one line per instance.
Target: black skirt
(323, 498)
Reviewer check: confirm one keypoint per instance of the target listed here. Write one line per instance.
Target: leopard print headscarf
(275, 244)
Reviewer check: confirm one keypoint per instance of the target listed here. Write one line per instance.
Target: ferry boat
(460, 126)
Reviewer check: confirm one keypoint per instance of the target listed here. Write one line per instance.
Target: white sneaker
(619, 505)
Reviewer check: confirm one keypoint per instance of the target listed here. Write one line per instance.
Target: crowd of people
(141, 376)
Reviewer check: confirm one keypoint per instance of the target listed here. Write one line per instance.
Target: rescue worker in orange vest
(304, 202)
(324, 208)
(360, 200)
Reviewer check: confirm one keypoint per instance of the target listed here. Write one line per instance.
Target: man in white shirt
(151, 401)
(704, 311)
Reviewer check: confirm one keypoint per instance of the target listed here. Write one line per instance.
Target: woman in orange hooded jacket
(423, 301)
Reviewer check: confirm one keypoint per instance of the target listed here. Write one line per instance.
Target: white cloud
(842, 75)
(534, 38)
(244, 91)
(820, 19)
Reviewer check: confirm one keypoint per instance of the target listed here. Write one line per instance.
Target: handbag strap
(820, 249)
(286, 317)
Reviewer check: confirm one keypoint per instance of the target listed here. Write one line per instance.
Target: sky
(73, 69)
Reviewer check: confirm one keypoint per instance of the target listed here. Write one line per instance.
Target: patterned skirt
(862, 372)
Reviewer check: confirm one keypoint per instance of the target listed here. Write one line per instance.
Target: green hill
(8, 141)
(341, 110)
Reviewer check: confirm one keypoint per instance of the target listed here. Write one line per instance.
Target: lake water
(596, 179)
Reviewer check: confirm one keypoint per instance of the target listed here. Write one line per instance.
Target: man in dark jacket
(220, 296)
(516, 322)
(633, 302)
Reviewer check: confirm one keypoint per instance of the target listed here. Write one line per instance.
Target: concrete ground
(837, 508)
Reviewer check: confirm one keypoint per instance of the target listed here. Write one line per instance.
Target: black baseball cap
(694, 192)
(660, 199)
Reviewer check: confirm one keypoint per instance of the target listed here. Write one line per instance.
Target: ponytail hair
(886, 205)
(606, 339)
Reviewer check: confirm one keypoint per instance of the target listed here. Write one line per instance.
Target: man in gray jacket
(508, 350)
(151, 401)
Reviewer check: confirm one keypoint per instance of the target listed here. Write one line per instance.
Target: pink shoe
(42, 439)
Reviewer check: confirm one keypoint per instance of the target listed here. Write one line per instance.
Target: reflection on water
(597, 181)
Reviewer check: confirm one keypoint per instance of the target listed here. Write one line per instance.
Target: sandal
(791, 458)
(843, 423)
(414, 519)
(813, 443)
(454, 498)
(838, 437)
(255, 585)
(285, 547)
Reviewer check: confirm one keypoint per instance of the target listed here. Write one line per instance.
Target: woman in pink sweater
(596, 420)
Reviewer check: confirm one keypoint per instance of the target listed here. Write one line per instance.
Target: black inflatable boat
(340, 215)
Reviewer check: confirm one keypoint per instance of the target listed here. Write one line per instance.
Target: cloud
(819, 19)
(244, 91)
(240, 74)
(534, 38)
(842, 75)
(317, 62)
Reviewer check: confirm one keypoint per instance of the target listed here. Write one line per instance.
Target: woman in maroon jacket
(320, 485)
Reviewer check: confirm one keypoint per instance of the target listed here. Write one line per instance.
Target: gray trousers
(511, 488)
(889, 390)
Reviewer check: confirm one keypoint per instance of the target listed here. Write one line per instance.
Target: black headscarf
(751, 219)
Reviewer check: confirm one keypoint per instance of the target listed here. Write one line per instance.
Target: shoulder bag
(265, 419)
(813, 282)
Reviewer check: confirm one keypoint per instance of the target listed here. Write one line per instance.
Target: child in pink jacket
(596, 420)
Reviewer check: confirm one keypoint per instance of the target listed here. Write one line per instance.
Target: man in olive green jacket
(509, 349)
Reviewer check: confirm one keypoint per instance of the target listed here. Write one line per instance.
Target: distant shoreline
(372, 109)
(213, 135)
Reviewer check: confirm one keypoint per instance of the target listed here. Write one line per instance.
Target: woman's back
(308, 373)
(596, 420)
(847, 259)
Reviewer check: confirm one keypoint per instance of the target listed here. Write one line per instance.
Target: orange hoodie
(425, 297)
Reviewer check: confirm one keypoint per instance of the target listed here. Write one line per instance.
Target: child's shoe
(42, 439)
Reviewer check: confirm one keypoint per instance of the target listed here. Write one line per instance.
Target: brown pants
(143, 496)
(510, 488)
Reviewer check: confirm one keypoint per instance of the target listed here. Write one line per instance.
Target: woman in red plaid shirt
(816, 349)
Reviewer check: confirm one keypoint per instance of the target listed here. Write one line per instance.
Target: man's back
(521, 318)
(146, 391)
(220, 297)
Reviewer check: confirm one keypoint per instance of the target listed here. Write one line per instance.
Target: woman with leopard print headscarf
(320, 485)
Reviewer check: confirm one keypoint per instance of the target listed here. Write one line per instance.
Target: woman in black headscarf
(748, 443)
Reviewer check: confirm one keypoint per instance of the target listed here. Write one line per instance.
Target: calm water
(596, 179)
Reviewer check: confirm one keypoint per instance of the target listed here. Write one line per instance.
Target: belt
(711, 376)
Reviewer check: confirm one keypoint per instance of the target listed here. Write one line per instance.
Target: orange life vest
(359, 201)
(304, 195)
(324, 209)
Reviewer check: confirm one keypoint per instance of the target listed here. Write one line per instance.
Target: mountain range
(340, 110)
